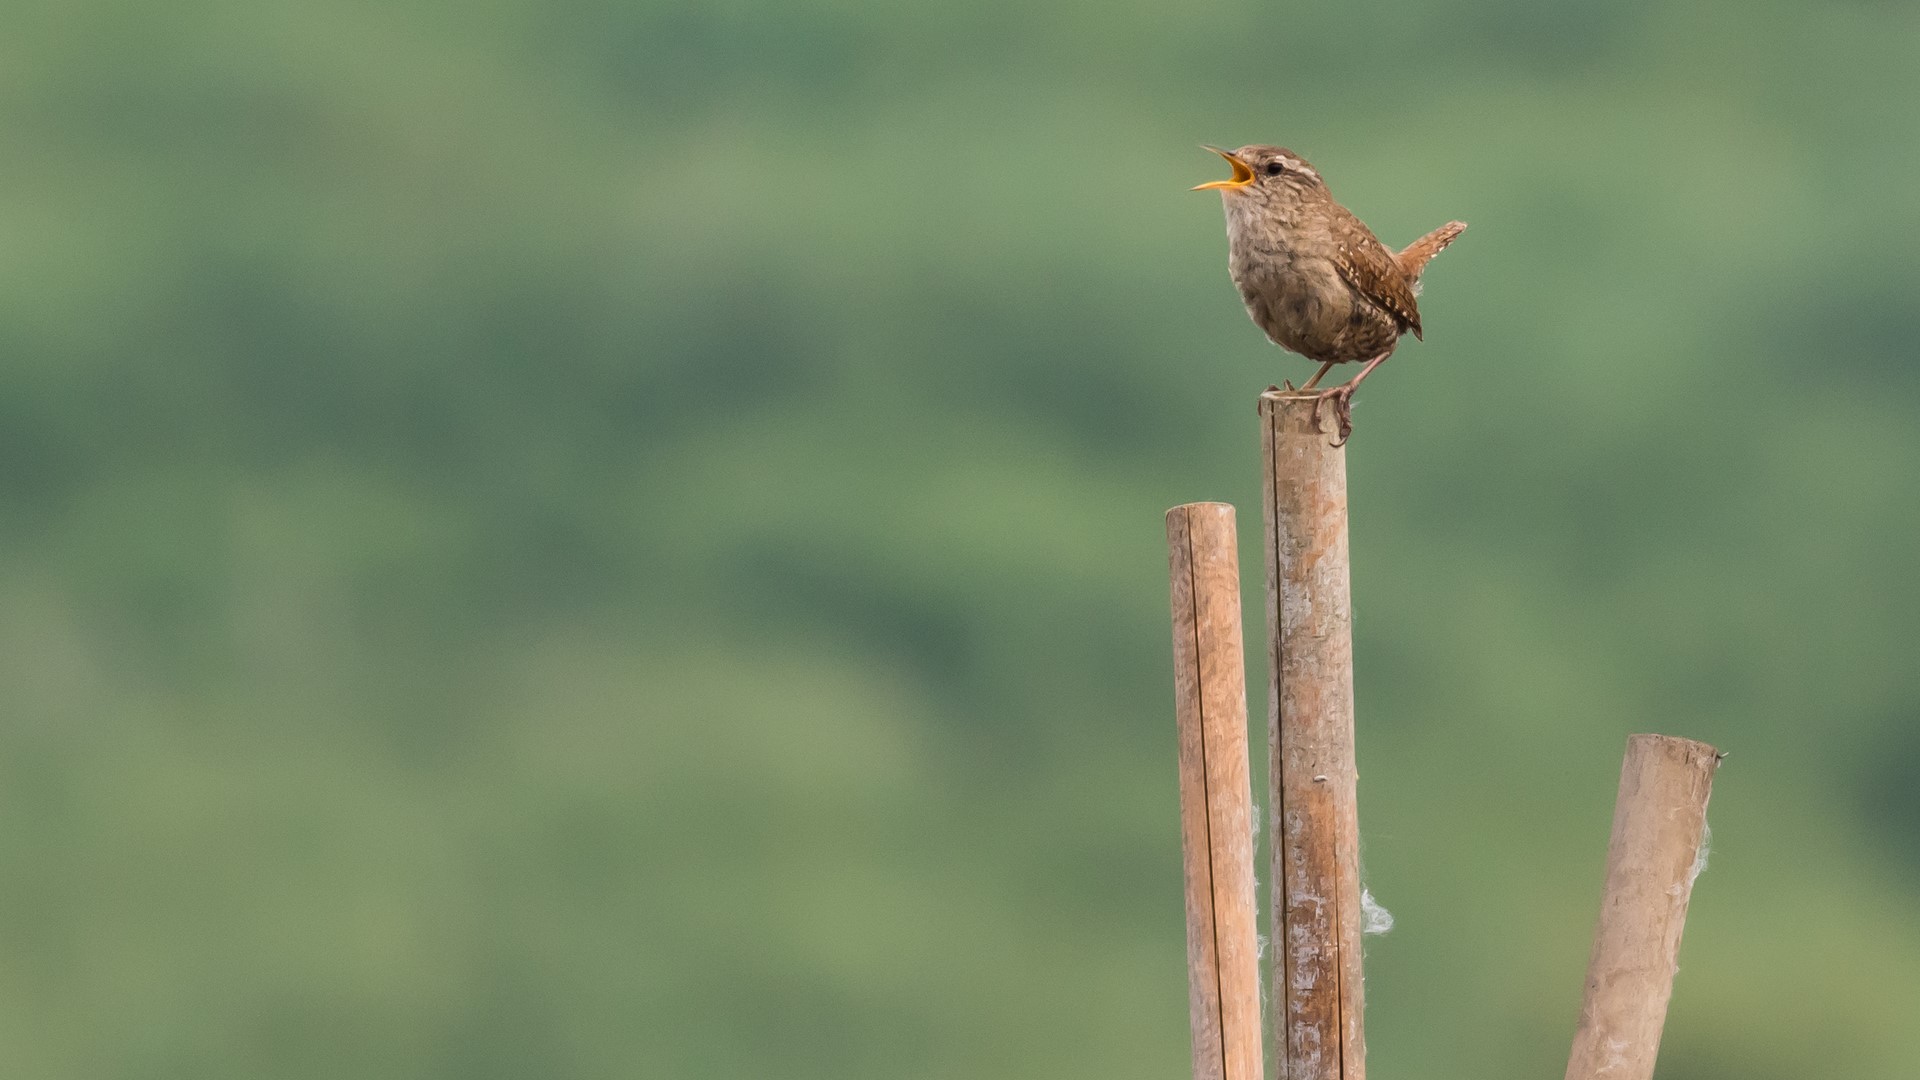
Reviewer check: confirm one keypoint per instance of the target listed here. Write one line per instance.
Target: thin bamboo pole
(1317, 998)
(1659, 824)
(1216, 798)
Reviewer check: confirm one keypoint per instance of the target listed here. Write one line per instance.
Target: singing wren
(1312, 275)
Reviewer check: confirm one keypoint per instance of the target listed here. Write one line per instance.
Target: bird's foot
(1342, 398)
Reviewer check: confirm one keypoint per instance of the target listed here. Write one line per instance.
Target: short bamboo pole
(1216, 798)
(1316, 926)
(1659, 825)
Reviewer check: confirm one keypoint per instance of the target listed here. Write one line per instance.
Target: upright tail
(1421, 251)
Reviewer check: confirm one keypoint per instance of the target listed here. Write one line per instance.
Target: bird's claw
(1342, 398)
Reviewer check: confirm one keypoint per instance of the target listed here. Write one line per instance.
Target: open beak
(1242, 173)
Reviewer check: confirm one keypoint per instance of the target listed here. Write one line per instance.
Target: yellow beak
(1242, 173)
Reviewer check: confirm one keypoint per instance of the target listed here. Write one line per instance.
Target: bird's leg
(1342, 397)
(1324, 368)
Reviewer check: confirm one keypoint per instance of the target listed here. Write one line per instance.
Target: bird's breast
(1302, 303)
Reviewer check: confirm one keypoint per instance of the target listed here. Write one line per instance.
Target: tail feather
(1421, 252)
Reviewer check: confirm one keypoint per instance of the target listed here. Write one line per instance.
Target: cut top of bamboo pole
(1653, 857)
(1216, 798)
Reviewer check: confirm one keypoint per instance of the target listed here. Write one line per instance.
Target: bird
(1312, 275)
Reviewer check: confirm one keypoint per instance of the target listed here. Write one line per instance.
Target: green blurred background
(581, 539)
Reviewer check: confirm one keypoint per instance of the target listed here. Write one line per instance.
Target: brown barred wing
(1374, 272)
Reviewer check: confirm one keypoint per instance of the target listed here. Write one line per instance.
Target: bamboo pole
(1659, 825)
(1216, 799)
(1316, 925)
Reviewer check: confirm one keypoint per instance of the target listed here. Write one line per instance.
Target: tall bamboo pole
(1659, 825)
(1316, 924)
(1216, 798)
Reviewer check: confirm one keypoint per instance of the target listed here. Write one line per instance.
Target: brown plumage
(1311, 274)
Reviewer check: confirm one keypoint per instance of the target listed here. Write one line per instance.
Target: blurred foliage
(583, 539)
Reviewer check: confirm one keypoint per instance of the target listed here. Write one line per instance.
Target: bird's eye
(1274, 168)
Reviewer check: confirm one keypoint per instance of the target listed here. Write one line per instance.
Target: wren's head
(1266, 178)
